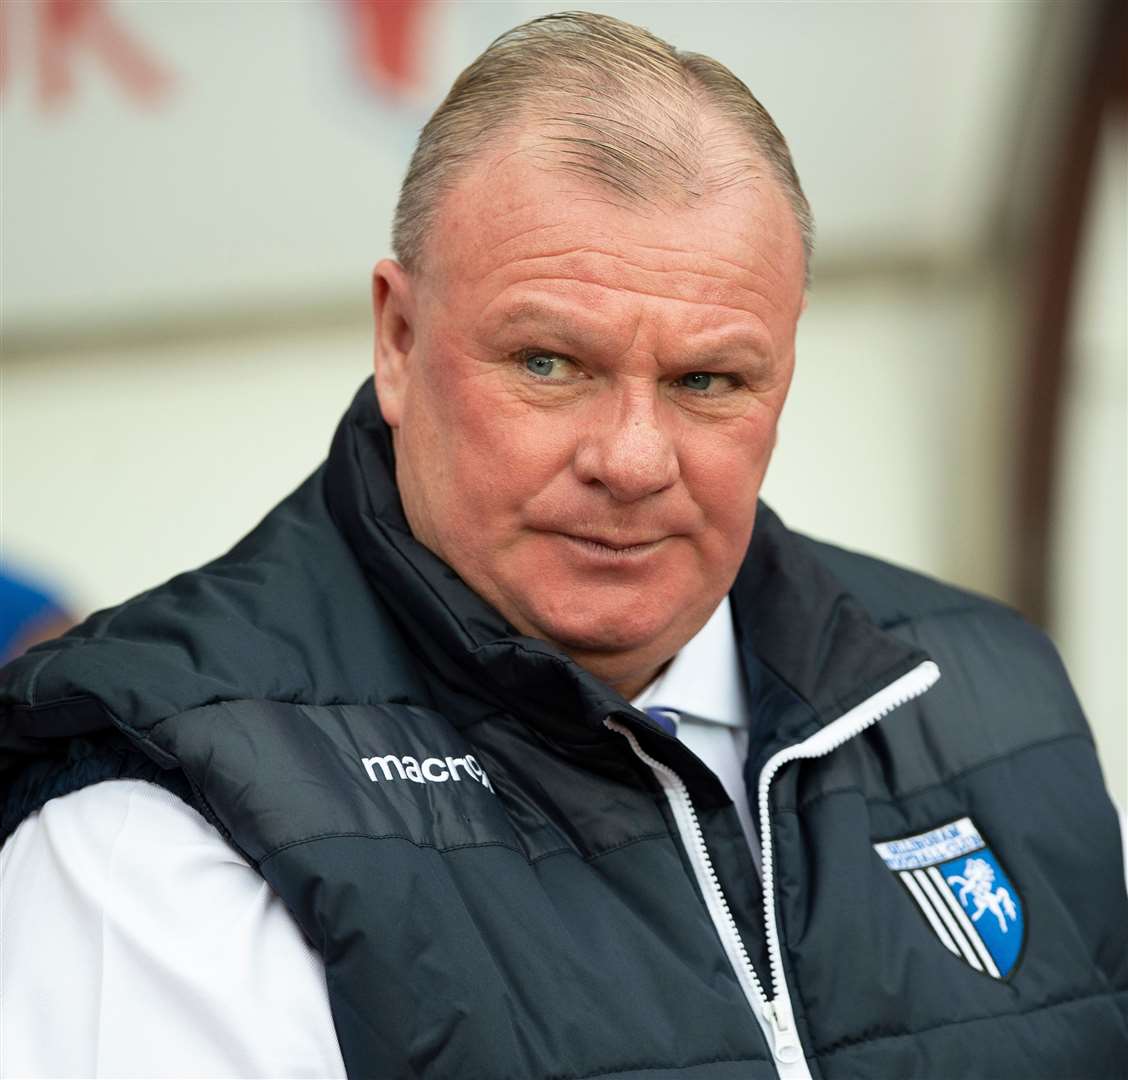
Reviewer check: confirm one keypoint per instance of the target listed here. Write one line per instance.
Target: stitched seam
(625, 844)
(442, 849)
(950, 613)
(349, 704)
(33, 678)
(288, 701)
(82, 642)
(1006, 756)
(848, 1044)
(651, 1068)
(423, 845)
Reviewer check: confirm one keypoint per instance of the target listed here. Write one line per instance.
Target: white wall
(120, 470)
(1090, 551)
(894, 440)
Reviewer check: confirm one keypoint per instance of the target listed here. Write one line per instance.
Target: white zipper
(773, 1013)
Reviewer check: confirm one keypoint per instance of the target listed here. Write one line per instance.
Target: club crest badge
(962, 891)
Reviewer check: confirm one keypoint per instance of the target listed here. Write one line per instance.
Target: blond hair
(615, 104)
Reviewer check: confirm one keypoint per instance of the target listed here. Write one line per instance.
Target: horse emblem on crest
(954, 879)
(976, 881)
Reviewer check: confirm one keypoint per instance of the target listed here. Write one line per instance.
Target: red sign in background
(61, 30)
(384, 36)
(386, 40)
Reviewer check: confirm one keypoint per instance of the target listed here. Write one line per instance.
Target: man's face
(584, 398)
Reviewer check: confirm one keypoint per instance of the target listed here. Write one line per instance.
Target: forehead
(515, 230)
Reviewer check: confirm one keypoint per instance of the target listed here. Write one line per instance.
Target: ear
(393, 304)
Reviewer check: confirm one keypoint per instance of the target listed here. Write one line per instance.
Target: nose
(626, 446)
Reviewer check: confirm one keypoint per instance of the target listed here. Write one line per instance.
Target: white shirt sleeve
(135, 942)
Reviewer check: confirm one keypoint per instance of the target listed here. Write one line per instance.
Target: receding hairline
(479, 178)
(608, 101)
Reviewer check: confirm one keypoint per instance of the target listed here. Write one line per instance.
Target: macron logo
(434, 770)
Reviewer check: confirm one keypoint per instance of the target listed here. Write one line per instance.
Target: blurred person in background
(521, 740)
(28, 614)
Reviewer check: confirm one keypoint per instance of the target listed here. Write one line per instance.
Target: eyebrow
(546, 316)
(749, 348)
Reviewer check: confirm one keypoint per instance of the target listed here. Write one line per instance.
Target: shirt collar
(704, 677)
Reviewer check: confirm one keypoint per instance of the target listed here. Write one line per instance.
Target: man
(394, 725)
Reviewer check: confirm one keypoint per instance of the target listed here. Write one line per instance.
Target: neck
(626, 680)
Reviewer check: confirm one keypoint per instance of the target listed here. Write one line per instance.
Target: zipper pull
(785, 1039)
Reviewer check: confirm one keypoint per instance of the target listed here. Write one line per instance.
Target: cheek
(723, 474)
(482, 454)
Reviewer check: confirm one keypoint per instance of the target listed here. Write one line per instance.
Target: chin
(606, 628)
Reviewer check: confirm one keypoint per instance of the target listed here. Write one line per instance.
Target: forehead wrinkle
(702, 254)
(563, 253)
(708, 296)
(696, 257)
(744, 270)
(644, 210)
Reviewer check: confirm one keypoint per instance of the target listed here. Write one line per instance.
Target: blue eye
(542, 365)
(697, 380)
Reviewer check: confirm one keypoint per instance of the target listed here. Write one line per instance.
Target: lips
(613, 551)
(615, 544)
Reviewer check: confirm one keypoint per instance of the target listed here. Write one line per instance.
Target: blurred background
(194, 195)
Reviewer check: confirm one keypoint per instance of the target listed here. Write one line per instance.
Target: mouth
(613, 548)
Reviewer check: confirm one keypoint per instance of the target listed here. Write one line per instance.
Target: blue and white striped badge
(963, 892)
